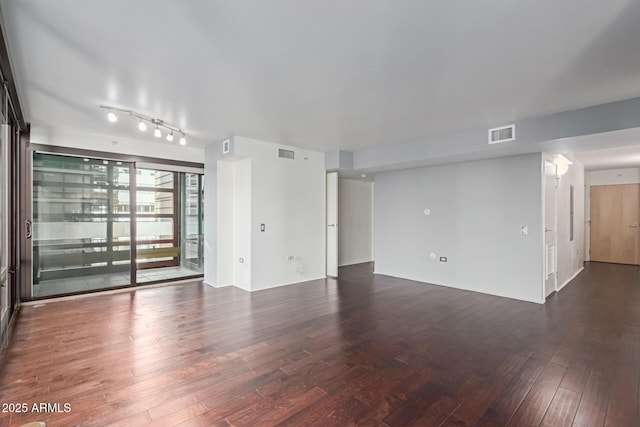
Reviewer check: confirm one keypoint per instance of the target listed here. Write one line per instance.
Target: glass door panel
(5, 248)
(157, 249)
(192, 242)
(81, 228)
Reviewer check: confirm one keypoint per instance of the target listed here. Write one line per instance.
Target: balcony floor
(105, 281)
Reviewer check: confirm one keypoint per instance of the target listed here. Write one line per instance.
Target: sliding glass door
(168, 225)
(83, 223)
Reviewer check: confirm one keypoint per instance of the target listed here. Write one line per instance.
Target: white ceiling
(319, 74)
(611, 158)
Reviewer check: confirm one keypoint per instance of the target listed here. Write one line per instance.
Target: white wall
(604, 177)
(225, 223)
(242, 224)
(211, 214)
(477, 211)
(146, 145)
(355, 221)
(288, 196)
(571, 254)
(614, 176)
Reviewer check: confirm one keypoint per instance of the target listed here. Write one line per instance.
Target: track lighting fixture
(142, 123)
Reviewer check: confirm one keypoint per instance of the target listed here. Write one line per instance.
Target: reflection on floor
(92, 283)
(166, 273)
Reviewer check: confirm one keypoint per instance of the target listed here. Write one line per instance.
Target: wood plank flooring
(361, 350)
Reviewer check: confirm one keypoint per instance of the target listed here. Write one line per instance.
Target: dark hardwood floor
(362, 350)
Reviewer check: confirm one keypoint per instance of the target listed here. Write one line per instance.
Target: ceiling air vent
(502, 134)
(285, 154)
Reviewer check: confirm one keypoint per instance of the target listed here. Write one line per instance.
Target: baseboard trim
(461, 288)
(571, 278)
(288, 284)
(216, 286)
(354, 263)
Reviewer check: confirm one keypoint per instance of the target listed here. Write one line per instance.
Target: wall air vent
(502, 134)
(285, 154)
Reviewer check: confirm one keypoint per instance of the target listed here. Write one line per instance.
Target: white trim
(570, 279)
(354, 263)
(217, 286)
(170, 168)
(461, 288)
(313, 279)
(543, 203)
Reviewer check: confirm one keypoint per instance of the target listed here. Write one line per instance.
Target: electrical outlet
(443, 259)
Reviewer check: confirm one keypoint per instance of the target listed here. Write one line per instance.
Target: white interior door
(332, 224)
(550, 228)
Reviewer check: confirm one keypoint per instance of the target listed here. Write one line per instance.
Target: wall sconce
(562, 164)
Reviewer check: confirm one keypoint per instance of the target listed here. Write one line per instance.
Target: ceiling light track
(143, 119)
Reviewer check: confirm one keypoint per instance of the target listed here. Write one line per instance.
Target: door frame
(331, 228)
(617, 188)
(549, 165)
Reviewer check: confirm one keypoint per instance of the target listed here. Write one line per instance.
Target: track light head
(183, 140)
(157, 132)
(142, 125)
(112, 117)
(170, 136)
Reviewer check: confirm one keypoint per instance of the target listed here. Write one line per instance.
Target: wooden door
(615, 218)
